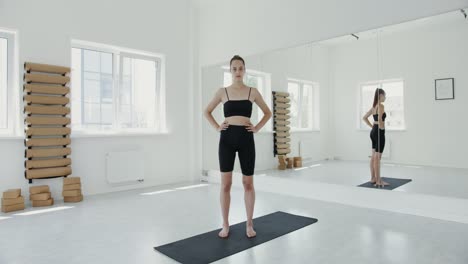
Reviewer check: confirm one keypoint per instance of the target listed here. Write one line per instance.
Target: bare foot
(224, 233)
(373, 180)
(250, 232)
(381, 184)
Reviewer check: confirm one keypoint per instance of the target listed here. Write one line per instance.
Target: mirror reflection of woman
(377, 135)
(236, 135)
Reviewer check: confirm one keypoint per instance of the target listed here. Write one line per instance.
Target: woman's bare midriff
(237, 120)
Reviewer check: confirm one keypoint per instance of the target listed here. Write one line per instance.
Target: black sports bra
(376, 117)
(238, 107)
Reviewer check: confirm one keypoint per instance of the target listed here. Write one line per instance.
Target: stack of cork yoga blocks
(45, 108)
(281, 116)
(40, 196)
(72, 190)
(281, 137)
(12, 201)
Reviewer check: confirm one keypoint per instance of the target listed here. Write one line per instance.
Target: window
(116, 90)
(304, 105)
(9, 97)
(259, 80)
(393, 104)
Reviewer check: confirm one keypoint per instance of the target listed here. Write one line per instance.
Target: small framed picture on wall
(444, 89)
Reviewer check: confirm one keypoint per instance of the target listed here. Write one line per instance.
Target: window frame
(14, 127)
(118, 53)
(380, 84)
(315, 117)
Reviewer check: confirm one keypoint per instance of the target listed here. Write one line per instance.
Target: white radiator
(306, 149)
(127, 166)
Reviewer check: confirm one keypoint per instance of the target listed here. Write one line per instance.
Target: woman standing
(377, 135)
(236, 135)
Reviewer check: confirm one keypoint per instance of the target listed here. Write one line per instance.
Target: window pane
(293, 89)
(306, 107)
(92, 61)
(76, 94)
(394, 105)
(227, 79)
(138, 93)
(251, 80)
(92, 113)
(3, 83)
(93, 74)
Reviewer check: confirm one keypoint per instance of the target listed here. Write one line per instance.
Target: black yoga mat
(394, 183)
(208, 247)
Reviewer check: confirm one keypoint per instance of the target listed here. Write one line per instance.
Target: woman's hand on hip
(251, 128)
(223, 126)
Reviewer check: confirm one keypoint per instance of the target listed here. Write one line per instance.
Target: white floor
(448, 182)
(124, 227)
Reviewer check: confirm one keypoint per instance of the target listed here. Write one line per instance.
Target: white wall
(435, 130)
(45, 29)
(306, 63)
(250, 27)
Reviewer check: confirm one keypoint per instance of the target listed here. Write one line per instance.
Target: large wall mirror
(421, 65)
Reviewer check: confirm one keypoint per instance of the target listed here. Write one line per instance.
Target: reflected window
(394, 103)
(304, 108)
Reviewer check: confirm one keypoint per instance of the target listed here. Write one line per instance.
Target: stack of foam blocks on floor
(40, 196)
(72, 190)
(281, 137)
(12, 201)
(46, 108)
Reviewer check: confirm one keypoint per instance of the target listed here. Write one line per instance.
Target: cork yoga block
(37, 203)
(39, 189)
(47, 100)
(283, 151)
(46, 110)
(40, 196)
(45, 131)
(12, 193)
(34, 120)
(281, 105)
(281, 94)
(71, 187)
(281, 99)
(48, 172)
(71, 193)
(47, 142)
(282, 139)
(51, 152)
(19, 200)
(282, 117)
(49, 163)
(71, 180)
(283, 146)
(39, 67)
(282, 111)
(282, 134)
(282, 122)
(45, 78)
(13, 208)
(73, 199)
(46, 89)
(281, 159)
(282, 128)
